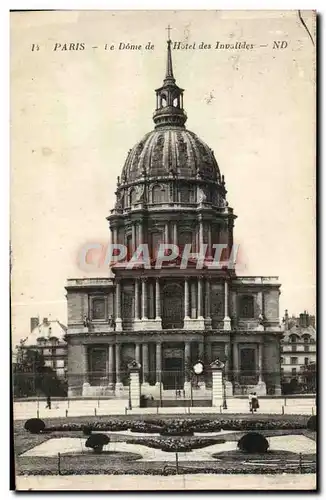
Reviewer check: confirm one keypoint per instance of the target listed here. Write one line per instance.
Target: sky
(76, 113)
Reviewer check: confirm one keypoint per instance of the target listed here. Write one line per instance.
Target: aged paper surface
(82, 95)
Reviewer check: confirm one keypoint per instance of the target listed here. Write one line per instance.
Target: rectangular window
(98, 308)
(294, 371)
(306, 348)
(294, 348)
(246, 306)
(282, 361)
(293, 361)
(306, 361)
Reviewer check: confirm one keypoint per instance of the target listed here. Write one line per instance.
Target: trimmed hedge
(183, 426)
(312, 423)
(253, 442)
(97, 441)
(34, 425)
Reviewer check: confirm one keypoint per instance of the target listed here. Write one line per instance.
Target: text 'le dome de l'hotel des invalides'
(167, 318)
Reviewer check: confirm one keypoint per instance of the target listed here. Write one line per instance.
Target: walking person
(250, 401)
(255, 402)
(48, 402)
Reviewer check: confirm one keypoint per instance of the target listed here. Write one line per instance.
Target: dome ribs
(146, 154)
(191, 149)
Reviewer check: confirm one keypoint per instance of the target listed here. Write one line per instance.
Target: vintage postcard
(163, 250)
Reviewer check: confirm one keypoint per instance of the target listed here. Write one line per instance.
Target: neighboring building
(48, 338)
(171, 191)
(298, 347)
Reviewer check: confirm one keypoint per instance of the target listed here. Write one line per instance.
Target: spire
(169, 78)
(169, 98)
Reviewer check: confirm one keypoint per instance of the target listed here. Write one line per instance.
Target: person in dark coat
(48, 402)
(254, 402)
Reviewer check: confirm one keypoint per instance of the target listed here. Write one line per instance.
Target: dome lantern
(169, 99)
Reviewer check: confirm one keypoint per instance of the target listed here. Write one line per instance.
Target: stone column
(151, 297)
(209, 242)
(260, 302)
(157, 300)
(137, 352)
(227, 320)
(175, 233)
(187, 383)
(208, 300)
(201, 235)
(144, 299)
(136, 285)
(186, 299)
(118, 383)
(140, 233)
(193, 300)
(115, 235)
(260, 362)
(133, 237)
(234, 311)
(158, 363)
(118, 320)
(83, 369)
(111, 367)
(235, 362)
(145, 364)
(166, 233)
(200, 299)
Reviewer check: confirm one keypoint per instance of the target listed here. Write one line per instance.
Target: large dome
(170, 151)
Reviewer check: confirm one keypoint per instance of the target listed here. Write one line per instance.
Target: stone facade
(167, 317)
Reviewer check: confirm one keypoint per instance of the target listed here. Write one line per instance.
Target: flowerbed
(185, 426)
(177, 444)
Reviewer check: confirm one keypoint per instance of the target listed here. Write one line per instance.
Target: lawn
(113, 464)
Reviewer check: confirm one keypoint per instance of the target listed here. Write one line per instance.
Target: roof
(300, 331)
(171, 151)
(46, 330)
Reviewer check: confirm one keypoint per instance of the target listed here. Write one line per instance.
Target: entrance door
(248, 366)
(173, 367)
(173, 310)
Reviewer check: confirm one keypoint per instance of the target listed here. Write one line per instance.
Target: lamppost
(197, 369)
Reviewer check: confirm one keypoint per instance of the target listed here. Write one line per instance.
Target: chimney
(304, 319)
(34, 323)
(286, 320)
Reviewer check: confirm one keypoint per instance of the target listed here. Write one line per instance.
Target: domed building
(155, 309)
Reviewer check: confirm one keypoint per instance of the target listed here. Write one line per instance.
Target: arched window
(306, 338)
(247, 306)
(185, 194)
(132, 196)
(158, 194)
(163, 102)
(176, 102)
(185, 237)
(156, 239)
(294, 338)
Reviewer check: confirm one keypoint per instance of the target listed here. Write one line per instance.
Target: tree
(309, 377)
(31, 376)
